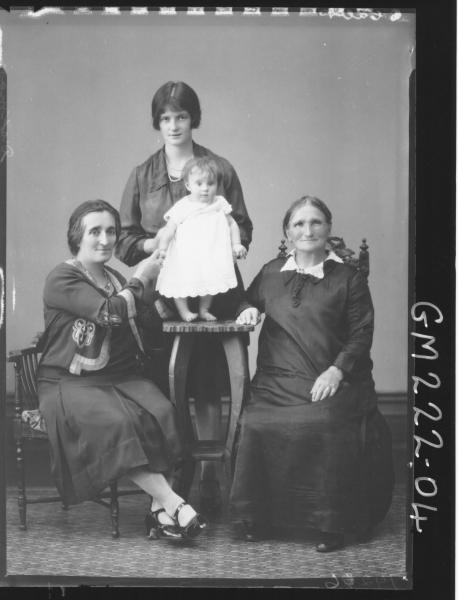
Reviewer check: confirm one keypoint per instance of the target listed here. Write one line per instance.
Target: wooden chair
(28, 425)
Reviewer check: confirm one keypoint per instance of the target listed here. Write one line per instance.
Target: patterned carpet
(77, 542)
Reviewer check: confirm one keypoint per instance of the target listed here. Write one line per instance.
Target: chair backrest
(26, 365)
(337, 245)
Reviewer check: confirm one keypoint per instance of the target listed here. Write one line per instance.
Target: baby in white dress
(202, 240)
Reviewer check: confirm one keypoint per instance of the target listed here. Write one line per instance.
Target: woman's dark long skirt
(324, 465)
(102, 426)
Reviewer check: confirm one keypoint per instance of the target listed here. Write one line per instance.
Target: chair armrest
(35, 347)
(17, 355)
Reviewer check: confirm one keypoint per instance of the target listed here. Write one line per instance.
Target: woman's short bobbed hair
(177, 96)
(75, 229)
(313, 201)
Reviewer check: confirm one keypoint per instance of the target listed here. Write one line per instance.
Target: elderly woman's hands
(249, 316)
(326, 384)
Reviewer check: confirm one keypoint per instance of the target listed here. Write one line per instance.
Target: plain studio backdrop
(298, 104)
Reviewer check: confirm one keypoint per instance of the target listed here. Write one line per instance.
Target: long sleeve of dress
(360, 324)
(129, 248)
(67, 290)
(234, 195)
(81, 320)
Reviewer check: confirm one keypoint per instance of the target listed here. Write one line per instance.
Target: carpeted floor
(77, 542)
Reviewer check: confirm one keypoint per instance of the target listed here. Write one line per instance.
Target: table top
(205, 327)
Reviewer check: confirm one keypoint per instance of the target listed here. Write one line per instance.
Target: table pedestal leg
(235, 352)
(178, 373)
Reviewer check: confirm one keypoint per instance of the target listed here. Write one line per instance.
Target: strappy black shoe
(193, 528)
(155, 529)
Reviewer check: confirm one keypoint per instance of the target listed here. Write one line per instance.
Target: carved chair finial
(283, 249)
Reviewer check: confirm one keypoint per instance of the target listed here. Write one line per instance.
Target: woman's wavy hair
(75, 229)
(177, 96)
(316, 202)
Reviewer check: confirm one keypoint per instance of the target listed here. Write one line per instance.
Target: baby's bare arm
(165, 235)
(238, 249)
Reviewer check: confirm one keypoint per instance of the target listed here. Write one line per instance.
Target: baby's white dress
(199, 258)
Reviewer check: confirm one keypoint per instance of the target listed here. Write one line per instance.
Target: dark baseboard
(393, 403)
(394, 407)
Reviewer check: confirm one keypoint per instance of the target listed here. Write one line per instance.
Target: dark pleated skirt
(324, 465)
(102, 426)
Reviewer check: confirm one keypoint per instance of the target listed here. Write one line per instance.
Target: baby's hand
(239, 251)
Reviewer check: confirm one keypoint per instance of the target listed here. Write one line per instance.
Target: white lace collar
(316, 270)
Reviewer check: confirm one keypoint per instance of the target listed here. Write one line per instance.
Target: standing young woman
(151, 190)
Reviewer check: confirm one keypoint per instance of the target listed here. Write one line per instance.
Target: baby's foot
(206, 316)
(188, 316)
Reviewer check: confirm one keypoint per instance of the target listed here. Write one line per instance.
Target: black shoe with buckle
(193, 528)
(155, 529)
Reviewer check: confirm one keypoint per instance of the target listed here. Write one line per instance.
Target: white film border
(358, 14)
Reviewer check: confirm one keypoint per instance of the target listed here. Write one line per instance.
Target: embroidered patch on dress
(83, 332)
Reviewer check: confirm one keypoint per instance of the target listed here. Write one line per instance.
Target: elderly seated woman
(303, 461)
(104, 419)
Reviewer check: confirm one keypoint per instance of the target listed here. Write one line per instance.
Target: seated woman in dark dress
(306, 457)
(104, 419)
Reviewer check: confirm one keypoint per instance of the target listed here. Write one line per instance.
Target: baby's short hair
(205, 164)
